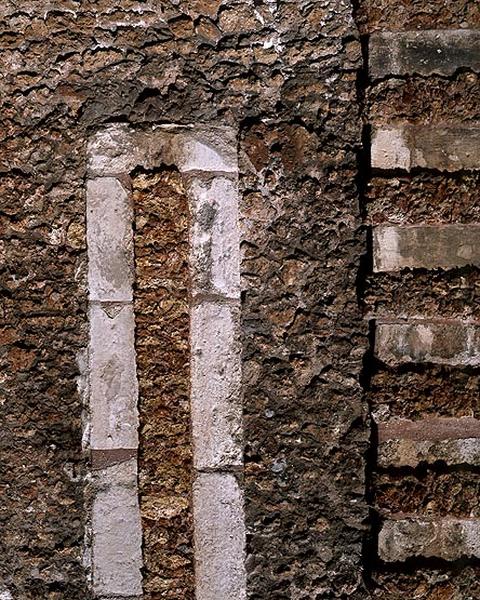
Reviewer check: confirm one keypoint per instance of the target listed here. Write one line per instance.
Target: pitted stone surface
(397, 247)
(445, 148)
(113, 381)
(452, 342)
(216, 405)
(219, 541)
(109, 237)
(215, 243)
(449, 539)
(428, 52)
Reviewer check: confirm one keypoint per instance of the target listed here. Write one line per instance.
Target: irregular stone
(212, 149)
(219, 537)
(216, 405)
(397, 247)
(112, 151)
(113, 381)
(214, 238)
(426, 52)
(455, 343)
(446, 148)
(110, 240)
(116, 543)
(446, 538)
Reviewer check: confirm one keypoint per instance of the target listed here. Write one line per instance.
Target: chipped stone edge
(200, 153)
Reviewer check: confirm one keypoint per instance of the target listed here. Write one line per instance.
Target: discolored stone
(427, 52)
(439, 342)
(445, 148)
(425, 247)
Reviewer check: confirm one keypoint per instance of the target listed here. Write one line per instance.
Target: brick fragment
(219, 537)
(446, 148)
(427, 52)
(455, 343)
(446, 538)
(398, 247)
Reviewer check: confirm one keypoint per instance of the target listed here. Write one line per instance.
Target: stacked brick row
(421, 300)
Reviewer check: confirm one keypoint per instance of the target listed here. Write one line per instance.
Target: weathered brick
(215, 243)
(113, 381)
(446, 538)
(455, 343)
(216, 406)
(398, 247)
(110, 241)
(407, 443)
(446, 148)
(426, 52)
(219, 537)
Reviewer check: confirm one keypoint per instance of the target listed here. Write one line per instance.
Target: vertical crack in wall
(161, 301)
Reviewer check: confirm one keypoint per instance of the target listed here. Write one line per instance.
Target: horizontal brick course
(445, 148)
(446, 538)
(455, 343)
(397, 247)
(429, 52)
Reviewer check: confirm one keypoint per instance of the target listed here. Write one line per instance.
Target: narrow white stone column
(116, 537)
(210, 171)
(207, 158)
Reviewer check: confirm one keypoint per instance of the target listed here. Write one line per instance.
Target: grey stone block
(216, 405)
(397, 247)
(113, 381)
(215, 242)
(446, 148)
(427, 52)
(453, 342)
(219, 537)
(446, 538)
(116, 543)
(110, 240)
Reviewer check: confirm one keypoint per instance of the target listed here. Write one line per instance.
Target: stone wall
(214, 127)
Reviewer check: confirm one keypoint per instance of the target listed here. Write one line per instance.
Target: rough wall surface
(162, 329)
(287, 75)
